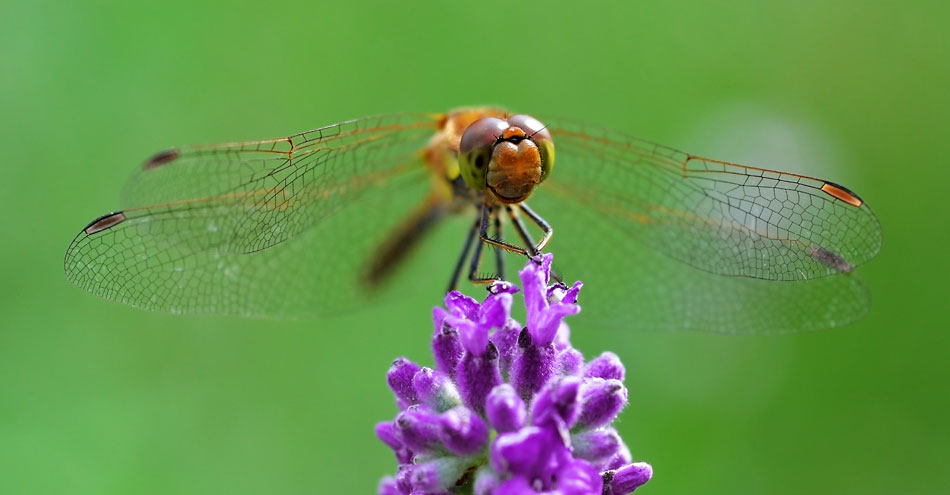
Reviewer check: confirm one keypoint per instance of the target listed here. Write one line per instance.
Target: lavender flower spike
(509, 410)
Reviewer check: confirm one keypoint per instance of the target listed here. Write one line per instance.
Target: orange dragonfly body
(319, 222)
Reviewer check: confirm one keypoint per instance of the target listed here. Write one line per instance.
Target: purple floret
(509, 410)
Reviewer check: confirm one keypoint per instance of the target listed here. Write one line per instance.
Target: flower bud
(387, 486)
(523, 450)
(622, 458)
(570, 362)
(606, 366)
(560, 401)
(463, 432)
(404, 478)
(386, 433)
(532, 365)
(399, 379)
(418, 429)
(476, 376)
(597, 446)
(506, 341)
(438, 475)
(434, 390)
(447, 350)
(486, 481)
(490, 373)
(580, 477)
(601, 402)
(505, 410)
(630, 477)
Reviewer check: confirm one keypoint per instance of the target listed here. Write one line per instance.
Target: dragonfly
(324, 221)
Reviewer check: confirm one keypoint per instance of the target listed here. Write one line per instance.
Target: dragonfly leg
(499, 254)
(484, 218)
(483, 235)
(522, 230)
(540, 222)
(535, 249)
(469, 240)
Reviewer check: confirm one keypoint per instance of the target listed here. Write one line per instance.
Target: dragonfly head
(508, 157)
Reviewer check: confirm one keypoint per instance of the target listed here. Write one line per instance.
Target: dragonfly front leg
(486, 216)
(535, 249)
(499, 254)
(484, 219)
(540, 222)
(522, 230)
(499, 243)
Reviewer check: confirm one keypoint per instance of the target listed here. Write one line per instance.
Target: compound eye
(537, 132)
(475, 150)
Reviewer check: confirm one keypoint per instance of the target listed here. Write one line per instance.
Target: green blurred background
(96, 397)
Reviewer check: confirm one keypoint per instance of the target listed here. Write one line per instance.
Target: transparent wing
(687, 242)
(318, 202)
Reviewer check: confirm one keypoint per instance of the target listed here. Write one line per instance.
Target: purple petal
(399, 378)
(631, 476)
(556, 292)
(570, 297)
(547, 323)
(505, 410)
(461, 305)
(474, 337)
(559, 292)
(562, 339)
(535, 292)
(463, 432)
(477, 376)
(602, 401)
(560, 399)
(438, 318)
(502, 287)
(606, 366)
(546, 260)
(496, 309)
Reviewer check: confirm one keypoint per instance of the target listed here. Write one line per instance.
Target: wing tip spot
(843, 193)
(104, 222)
(161, 158)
